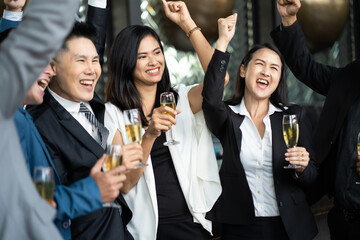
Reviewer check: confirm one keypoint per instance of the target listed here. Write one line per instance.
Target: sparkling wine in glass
(44, 182)
(291, 134)
(168, 99)
(133, 128)
(113, 159)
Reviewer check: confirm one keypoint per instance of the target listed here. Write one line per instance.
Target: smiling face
(262, 74)
(77, 70)
(150, 62)
(36, 92)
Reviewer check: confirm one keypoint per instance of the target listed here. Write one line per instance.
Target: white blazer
(195, 164)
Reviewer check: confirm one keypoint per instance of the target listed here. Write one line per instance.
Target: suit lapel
(278, 143)
(237, 119)
(74, 127)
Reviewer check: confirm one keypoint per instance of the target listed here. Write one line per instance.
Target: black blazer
(235, 205)
(74, 152)
(341, 86)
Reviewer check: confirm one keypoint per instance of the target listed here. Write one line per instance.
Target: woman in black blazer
(260, 199)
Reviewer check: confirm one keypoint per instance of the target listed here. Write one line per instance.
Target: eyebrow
(272, 64)
(84, 56)
(155, 49)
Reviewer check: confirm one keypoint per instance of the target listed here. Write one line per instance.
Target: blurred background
(330, 26)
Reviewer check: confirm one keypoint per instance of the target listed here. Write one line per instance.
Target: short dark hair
(79, 30)
(120, 88)
(279, 97)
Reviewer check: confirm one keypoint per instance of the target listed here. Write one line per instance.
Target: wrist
(288, 21)
(221, 45)
(187, 25)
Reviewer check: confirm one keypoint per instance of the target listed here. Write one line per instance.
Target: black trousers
(182, 231)
(340, 228)
(264, 228)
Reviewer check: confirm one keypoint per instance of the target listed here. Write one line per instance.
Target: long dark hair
(120, 88)
(279, 97)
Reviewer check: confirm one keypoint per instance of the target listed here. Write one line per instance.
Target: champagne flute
(291, 134)
(133, 128)
(358, 152)
(168, 99)
(112, 160)
(44, 182)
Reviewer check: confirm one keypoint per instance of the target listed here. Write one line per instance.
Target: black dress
(175, 219)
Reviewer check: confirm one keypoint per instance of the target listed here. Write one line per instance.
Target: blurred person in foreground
(23, 55)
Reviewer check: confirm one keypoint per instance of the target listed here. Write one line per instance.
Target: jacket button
(223, 62)
(65, 225)
(222, 69)
(281, 204)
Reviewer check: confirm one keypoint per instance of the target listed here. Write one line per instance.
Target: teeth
(42, 84)
(263, 81)
(87, 82)
(153, 71)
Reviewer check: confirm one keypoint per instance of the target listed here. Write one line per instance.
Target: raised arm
(291, 42)
(179, 14)
(27, 50)
(98, 16)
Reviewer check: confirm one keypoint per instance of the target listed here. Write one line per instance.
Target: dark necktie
(102, 130)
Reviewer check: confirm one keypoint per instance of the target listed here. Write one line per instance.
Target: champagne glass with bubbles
(44, 182)
(291, 134)
(168, 99)
(133, 128)
(113, 159)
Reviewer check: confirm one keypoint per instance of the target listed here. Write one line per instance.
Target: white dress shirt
(73, 108)
(256, 157)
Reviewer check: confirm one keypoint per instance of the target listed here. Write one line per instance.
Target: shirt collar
(241, 109)
(12, 16)
(70, 106)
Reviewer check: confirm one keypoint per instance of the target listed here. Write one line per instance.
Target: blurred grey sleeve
(28, 49)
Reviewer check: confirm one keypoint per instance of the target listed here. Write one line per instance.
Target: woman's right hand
(177, 12)
(160, 121)
(288, 10)
(226, 27)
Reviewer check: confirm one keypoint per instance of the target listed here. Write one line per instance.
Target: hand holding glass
(291, 134)
(44, 183)
(133, 128)
(168, 99)
(112, 160)
(358, 152)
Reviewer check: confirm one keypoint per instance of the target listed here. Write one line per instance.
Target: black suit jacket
(74, 152)
(235, 205)
(341, 86)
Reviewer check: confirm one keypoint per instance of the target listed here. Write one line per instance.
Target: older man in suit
(23, 214)
(71, 123)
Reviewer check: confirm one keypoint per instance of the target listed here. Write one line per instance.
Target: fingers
(298, 156)
(98, 165)
(132, 155)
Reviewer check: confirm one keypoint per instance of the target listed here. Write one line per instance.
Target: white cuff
(97, 3)
(12, 16)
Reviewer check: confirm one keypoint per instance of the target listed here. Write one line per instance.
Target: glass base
(357, 183)
(171, 142)
(141, 164)
(292, 166)
(111, 204)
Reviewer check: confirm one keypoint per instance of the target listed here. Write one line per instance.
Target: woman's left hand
(298, 156)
